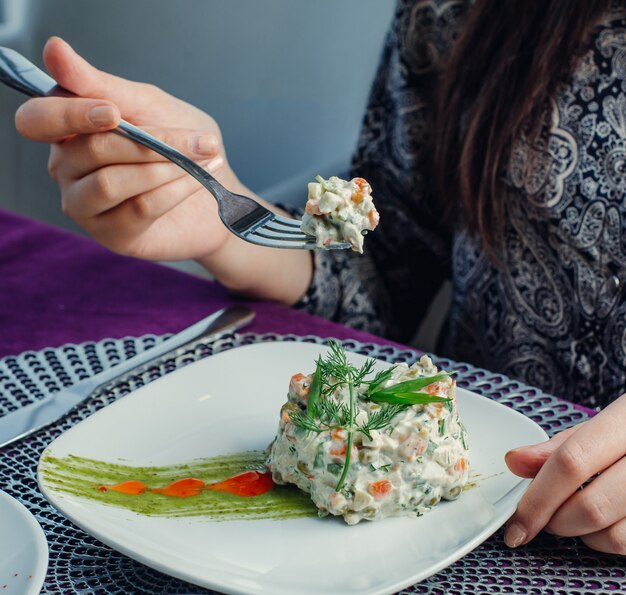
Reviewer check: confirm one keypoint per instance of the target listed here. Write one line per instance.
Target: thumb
(526, 461)
(74, 73)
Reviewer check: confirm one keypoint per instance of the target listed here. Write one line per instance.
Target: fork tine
(286, 221)
(279, 234)
(279, 243)
(273, 240)
(272, 226)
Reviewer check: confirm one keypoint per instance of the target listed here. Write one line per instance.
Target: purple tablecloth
(62, 288)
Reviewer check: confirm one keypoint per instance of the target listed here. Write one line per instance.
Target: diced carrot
(300, 385)
(338, 434)
(337, 500)
(339, 450)
(373, 217)
(461, 465)
(412, 447)
(433, 389)
(284, 416)
(357, 198)
(379, 489)
(435, 410)
(360, 182)
(312, 208)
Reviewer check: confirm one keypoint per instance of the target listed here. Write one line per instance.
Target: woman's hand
(129, 198)
(560, 466)
(132, 200)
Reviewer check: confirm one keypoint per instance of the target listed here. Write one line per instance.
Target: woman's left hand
(560, 466)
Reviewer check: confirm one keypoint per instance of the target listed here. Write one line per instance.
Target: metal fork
(243, 216)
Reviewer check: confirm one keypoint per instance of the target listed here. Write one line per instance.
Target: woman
(517, 193)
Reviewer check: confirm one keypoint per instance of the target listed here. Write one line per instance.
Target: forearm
(264, 273)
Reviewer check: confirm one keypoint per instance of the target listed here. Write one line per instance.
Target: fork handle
(21, 74)
(128, 130)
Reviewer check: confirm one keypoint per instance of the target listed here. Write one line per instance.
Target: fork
(243, 216)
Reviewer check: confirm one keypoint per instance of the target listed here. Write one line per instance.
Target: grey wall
(286, 79)
(15, 33)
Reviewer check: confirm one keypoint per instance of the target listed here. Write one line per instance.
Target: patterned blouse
(554, 313)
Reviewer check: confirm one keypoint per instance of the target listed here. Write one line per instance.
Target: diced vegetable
(379, 489)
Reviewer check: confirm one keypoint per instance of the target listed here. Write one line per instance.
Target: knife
(35, 416)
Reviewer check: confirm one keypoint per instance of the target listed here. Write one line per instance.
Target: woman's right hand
(128, 197)
(132, 200)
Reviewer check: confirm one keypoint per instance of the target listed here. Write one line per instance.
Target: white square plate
(230, 402)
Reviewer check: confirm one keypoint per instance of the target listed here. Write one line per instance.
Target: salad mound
(339, 211)
(369, 445)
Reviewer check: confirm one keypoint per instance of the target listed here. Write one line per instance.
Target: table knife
(19, 424)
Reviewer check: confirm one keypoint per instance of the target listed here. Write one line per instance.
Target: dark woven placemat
(81, 564)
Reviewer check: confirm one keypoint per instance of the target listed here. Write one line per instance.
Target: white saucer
(23, 549)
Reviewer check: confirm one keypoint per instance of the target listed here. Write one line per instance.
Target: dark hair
(500, 74)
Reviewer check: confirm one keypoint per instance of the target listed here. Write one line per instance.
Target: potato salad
(371, 446)
(339, 211)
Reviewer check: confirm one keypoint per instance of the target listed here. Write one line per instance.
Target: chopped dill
(325, 412)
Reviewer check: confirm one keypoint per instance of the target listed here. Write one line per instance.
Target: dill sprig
(325, 413)
(380, 419)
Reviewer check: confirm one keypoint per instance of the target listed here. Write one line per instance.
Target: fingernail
(61, 40)
(522, 448)
(515, 535)
(215, 163)
(102, 115)
(205, 144)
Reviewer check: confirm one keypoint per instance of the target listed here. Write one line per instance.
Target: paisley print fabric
(553, 314)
